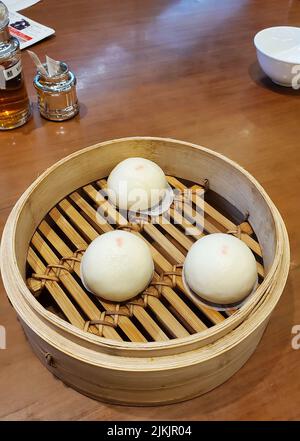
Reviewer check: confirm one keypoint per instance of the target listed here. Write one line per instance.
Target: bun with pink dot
(221, 269)
(117, 266)
(137, 184)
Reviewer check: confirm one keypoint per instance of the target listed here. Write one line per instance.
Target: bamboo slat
(71, 285)
(215, 214)
(54, 289)
(187, 314)
(125, 324)
(87, 213)
(159, 259)
(137, 310)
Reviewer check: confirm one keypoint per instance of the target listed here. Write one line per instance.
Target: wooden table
(182, 69)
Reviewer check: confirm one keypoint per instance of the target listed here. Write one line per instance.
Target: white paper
(53, 66)
(37, 63)
(17, 5)
(27, 31)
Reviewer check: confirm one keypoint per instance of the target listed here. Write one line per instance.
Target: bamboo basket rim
(8, 253)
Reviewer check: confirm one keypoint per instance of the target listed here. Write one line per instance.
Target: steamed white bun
(117, 266)
(137, 184)
(220, 268)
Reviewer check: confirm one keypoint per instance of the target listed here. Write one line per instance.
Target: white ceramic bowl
(278, 53)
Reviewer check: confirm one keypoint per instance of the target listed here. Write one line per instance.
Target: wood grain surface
(184, 69)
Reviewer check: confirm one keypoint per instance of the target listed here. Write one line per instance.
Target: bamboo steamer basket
(160, 348)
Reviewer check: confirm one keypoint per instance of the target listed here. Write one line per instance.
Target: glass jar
(57, 97)
(15, 109)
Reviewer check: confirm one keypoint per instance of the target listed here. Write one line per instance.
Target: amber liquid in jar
(15, 108)
(14, 102)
